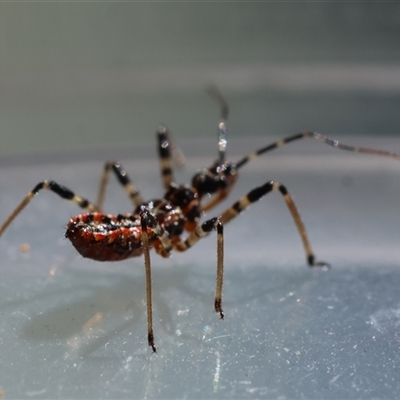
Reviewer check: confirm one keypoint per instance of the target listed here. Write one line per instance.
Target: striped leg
(163, 247)
(123, 179)
(319, 137)
(201, 231)
(148, 222)
(255, 195)
(355, 149)
(62, 191)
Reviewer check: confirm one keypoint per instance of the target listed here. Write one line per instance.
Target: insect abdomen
(105, 237)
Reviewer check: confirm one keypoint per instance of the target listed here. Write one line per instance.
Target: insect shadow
(101, 311)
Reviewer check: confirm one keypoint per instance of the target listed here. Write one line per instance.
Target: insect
(174, 221)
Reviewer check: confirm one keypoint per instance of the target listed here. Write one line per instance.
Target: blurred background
(93, 80)
(93, 75)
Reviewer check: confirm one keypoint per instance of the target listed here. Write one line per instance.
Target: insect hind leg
(62, 191)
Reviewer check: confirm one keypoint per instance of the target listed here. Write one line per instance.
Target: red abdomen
(106, 237)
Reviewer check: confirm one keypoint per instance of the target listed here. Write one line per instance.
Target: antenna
(216, 95)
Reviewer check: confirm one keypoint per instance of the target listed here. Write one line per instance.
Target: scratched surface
(73, 328)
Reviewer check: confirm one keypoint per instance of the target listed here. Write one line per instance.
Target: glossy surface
(73, 328)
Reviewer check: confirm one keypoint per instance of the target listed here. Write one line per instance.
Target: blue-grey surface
(73, 328)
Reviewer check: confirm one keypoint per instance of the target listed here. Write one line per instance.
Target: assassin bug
(160, 223)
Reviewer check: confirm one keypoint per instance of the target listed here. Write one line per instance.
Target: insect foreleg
(201, 231)
(319, 137)
(355, 149)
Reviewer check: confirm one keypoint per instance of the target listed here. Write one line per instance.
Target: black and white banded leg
(255, 195)
(317, 136)
(123, 179)
(201, 231)
(62, 191)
